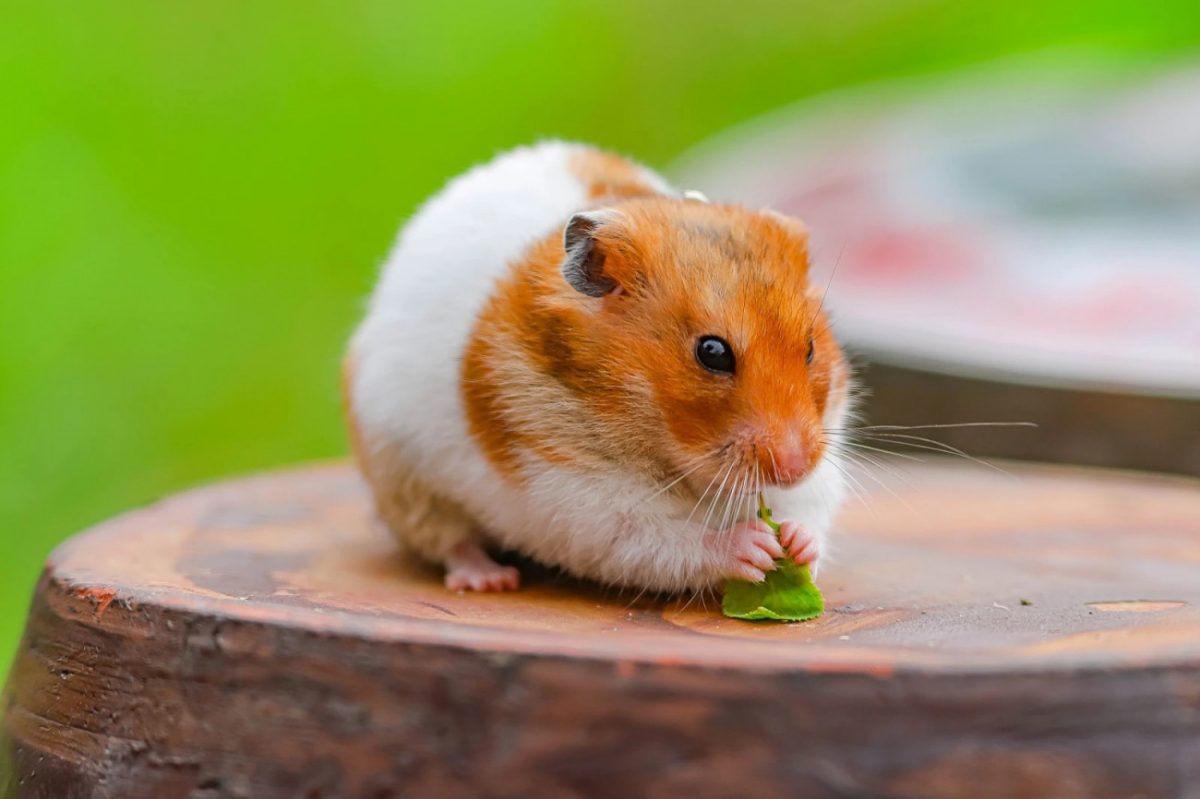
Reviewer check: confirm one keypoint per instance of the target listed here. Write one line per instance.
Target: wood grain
(1028, 633)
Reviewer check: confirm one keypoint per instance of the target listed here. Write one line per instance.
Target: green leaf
(787, 594)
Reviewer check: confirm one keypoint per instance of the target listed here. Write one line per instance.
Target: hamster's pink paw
(469, 567)
(483, 578)
(753, 549)
(801, 545)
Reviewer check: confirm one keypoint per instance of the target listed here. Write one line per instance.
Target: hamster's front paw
(752, 550)
(802, 546)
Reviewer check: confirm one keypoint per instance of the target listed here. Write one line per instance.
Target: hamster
(566, 357)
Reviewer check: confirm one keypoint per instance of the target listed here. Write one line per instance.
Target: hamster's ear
(796, 235)
(789, 223)
(583, 266)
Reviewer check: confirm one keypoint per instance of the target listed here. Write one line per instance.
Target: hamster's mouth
(747, 481)
(747, 465)
(739, 483)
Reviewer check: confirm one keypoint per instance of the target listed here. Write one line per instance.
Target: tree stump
(1028, 633)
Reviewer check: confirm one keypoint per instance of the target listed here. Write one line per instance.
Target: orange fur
(554, 374)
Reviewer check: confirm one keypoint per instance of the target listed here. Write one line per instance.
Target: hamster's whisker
(898, 436)
(858, 459)
(758, 486)
(709, 487)
(856, 488)
(641, 592)
(884, 435)
(880, 464)
(735, 499)
(720, 505)
(891, 453)
(723, 519)
(908, 437)
(837, 452)
(877, 427)
(932, 445)
(828, 283)
(635, 599)
(695, 592)
(752, 500)
(701, 462)
(726, 470)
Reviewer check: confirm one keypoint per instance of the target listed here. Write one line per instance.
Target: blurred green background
(194, 198)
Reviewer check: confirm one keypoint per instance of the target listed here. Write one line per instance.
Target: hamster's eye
(808, 358)
(715, 354)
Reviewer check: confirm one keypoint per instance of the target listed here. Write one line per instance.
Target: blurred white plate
(1033, 223)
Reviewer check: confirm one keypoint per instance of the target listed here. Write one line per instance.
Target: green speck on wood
(787, 594)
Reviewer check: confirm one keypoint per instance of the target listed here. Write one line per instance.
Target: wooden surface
(260, 638)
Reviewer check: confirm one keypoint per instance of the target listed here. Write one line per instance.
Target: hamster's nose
(790, 464)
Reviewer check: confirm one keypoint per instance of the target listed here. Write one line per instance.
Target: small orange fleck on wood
(101, 598)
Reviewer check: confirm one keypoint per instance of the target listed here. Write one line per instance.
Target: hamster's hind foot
(468, 566)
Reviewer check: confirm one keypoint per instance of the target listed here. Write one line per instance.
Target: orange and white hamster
(568, 358)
